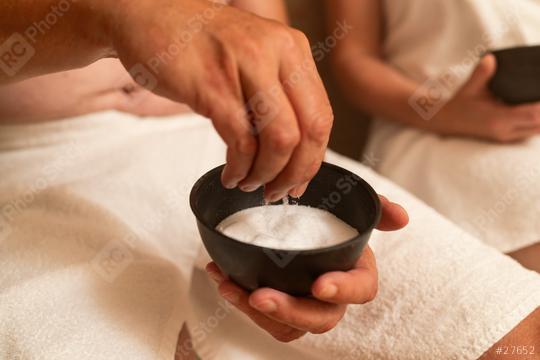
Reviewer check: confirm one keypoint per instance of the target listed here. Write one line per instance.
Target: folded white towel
(99, 241)
(490, 190)
(98, 247)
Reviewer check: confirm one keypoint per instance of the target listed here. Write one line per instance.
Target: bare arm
(44, 36)
(39, 37)
(366, 79)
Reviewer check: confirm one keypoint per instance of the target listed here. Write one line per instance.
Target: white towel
(98, 245)
(443, 294)
(489, 190)
(98, 240)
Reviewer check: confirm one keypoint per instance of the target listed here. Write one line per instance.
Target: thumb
(480, 77)
(394, 217)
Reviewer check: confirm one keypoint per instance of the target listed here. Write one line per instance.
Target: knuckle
(319, 130)
(246, 145)
(285, 34)
(282, 141)
(251, 49)
(299, 37)
(293, 40)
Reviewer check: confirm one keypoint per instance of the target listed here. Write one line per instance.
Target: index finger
(232, 125)
(308, 97)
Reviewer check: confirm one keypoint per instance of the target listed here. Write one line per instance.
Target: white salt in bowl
(333, 189)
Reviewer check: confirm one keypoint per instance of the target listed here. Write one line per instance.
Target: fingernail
(300, 191)
(275, 197)
(249, 188)
(266, 306)
(231, 297)
(294, 193)
(230, 185)
(328, 291)
(215, 276)
(227, 183)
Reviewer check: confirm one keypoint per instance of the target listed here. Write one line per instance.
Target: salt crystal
(287, 227)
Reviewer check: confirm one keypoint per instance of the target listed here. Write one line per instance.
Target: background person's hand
(288, 318)
(474, 111)
(217, 59)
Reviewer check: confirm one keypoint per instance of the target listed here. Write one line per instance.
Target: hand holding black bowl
(476, 109)
(334, 276)
(288, 318)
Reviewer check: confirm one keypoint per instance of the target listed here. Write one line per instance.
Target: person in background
(419, 67)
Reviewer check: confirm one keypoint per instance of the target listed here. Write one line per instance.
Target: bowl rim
(366, 186)
(511, 49)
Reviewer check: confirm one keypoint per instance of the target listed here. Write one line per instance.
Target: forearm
(45, 36)
(380, 90)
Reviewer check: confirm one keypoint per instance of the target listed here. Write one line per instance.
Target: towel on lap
(98, 246)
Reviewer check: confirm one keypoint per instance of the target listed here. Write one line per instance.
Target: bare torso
(104, 85)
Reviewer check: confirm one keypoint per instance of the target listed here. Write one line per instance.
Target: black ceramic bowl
(334, 189)
(517, 80)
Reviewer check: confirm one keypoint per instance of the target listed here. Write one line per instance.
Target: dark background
(350, 126)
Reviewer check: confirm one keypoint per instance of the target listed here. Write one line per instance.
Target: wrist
(448, 121)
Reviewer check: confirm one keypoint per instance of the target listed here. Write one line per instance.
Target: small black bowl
(517, 79)
(292, 271)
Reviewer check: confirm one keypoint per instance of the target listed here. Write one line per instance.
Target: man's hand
(474, 111)
(220, 64)
(288, 318)
(215, 58)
